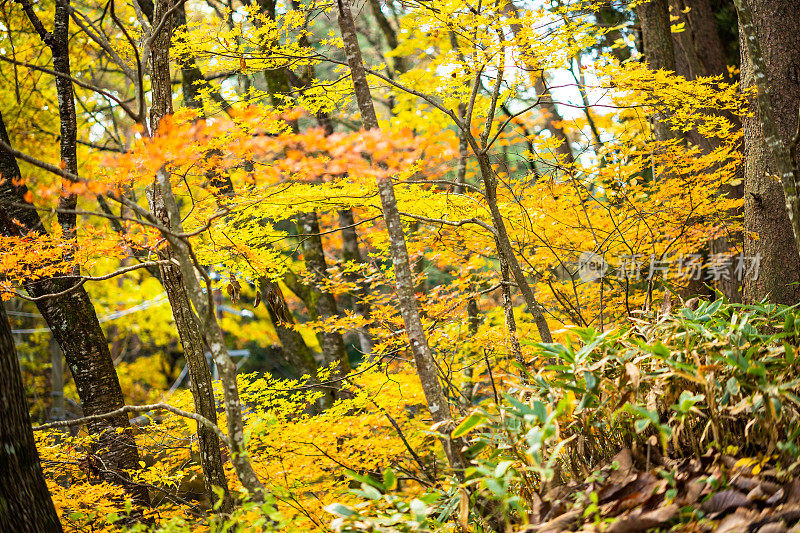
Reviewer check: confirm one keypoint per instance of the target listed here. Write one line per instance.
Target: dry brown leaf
(639, 521)
(724, 501)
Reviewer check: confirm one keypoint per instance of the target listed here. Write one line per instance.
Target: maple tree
(414, 221)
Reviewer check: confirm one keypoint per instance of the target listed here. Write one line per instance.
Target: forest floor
(641, 492)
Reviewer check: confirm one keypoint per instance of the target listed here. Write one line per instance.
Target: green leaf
(732, 386)
(389, 480)
(789, 353)
(339, 510)
(468, 424)
(495, 486)
(364, 479)
(502, 468)
(370, 492)
(418, 509)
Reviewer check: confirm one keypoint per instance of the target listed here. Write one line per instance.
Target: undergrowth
(719, 377)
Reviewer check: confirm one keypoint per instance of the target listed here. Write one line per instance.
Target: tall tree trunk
(25, 504)
(659, 51)
(775, 28)
(185, 320)
(73, 322)
(699, 51)
(324, 303)
(72, 318)
(162, 199)
(702, 52)
(404, 281)
(351, 253)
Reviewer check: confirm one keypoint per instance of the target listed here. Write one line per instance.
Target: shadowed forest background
(399, 265)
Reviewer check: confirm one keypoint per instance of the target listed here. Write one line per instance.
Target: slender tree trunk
(774, 28)
(25, 504)
(295, 348)
(351, 253)
(553, 118)
(473, 323)
(511, 323)
(185, 320)
(201, 298)
(163, 198)
(505, 248)
(404, 281)
(324, 303)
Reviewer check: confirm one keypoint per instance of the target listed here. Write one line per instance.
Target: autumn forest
(399, 265)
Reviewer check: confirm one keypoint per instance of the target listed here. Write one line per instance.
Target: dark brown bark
(185, 320)
(404, 280)
(768, 230)
(25, 504)
(699, 52)
(73, 322)
(66, 112)
(654, 21)
(201, 383)
(698, 49)
(659, 51)
(192, 78)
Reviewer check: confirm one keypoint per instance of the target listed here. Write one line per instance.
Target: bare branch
(137, 409)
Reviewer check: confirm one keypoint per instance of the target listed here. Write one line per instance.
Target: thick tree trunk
(699, 52)
(768, 230)
(654, 21)
(659, 51)
(25, 504)
(404, 281)
(73, 322)
(185, 320)
(698, 49)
